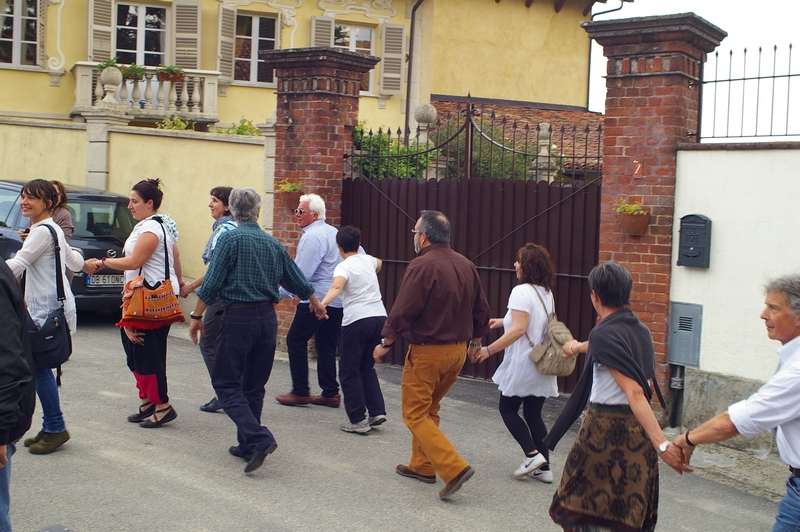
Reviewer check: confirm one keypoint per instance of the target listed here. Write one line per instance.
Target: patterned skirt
(610, 478)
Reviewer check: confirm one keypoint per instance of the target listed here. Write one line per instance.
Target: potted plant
(289, 192)
(170, 73)
(133, 72)
(633, 218)
(110, 62)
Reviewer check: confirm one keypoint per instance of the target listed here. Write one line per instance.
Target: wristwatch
(384, 344)
(195, 317)
(662, 447)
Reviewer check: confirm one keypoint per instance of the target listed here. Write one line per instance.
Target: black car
(102, 223)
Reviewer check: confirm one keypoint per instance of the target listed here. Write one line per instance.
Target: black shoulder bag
(52, 342)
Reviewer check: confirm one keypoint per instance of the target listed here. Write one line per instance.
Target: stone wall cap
(705, 35)
(319, 57)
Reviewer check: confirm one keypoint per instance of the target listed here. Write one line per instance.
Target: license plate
(105, 280)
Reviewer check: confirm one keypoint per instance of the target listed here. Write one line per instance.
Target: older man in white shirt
(776, 405)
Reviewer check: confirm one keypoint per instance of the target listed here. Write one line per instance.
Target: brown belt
(795, 471)
(437, 349)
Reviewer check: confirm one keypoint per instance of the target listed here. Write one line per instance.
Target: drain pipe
(589, 77)
(676, 385)
(410, 64)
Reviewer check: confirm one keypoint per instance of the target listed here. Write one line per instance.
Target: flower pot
(172, 78)
(633, 224)
(290, 200)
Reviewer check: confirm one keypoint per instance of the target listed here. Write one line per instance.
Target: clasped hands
(92, 266)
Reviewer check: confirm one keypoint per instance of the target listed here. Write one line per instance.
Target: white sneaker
(362, 427)
(374, 421)
(531, 463)
(542, 476)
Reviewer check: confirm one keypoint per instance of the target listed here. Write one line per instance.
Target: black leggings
(529, 432)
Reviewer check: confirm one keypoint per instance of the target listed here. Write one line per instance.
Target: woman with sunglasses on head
(37, 260)
(223, 221)
(60, 213)
(145, 255)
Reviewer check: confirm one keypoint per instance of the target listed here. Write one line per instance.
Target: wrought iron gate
(500, 188)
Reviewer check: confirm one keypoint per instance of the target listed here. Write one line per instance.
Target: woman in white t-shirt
(146, 350)
(356, 279)
(519, 381)
(37, 260)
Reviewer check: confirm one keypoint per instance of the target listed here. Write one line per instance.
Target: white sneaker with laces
(542, 476)
(362, 427)
(531, 463)
(374, 421)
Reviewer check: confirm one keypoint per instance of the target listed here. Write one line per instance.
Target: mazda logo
(111, 253)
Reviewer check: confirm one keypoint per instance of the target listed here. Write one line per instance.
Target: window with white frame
(19, 32)
(254, 34)
(358, 39)
(141, 34)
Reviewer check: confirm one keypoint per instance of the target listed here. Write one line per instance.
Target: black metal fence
(751, 98)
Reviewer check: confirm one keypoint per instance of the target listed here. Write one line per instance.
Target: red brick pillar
(653, 86)
(318, 91)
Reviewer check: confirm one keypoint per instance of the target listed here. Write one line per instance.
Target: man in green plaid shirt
(247, 267)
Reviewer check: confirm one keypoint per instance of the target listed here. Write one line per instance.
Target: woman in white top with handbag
(36, 259)
(519, 381)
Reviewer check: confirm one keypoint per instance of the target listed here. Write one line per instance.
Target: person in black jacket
(17, 386)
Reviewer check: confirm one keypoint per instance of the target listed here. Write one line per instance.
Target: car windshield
(101, 219)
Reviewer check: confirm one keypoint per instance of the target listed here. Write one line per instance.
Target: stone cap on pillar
(319, 57)
(684, 27)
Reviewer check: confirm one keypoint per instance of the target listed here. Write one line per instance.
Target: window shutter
(41, 56)
(186, 35)
(226, 42)
(101, 21)
(392, 58)
(321, 31)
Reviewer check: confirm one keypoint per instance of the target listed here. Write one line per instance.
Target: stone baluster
(123, 92)
(98, 90)
(137, 94)
(148, 90)
(185, 95)
(196, 95)
(161, 95)
(173, 96)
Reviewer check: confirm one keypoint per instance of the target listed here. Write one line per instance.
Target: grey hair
(436, 227)
(788, 285)
(244, 204)
(315, 204)
(612, 283)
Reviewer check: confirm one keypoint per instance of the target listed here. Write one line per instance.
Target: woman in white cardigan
(36, 259)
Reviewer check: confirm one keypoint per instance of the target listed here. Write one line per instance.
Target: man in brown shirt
(439, 307)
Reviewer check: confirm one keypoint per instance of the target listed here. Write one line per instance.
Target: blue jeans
(243, 363)
(5, 480)
(788, 518)
(47, 390)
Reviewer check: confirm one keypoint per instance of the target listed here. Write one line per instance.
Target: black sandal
(145, 411)
(169, 416)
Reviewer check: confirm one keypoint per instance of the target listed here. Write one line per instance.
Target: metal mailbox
(694, 247)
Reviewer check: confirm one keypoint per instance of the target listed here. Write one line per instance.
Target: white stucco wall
(752, 198)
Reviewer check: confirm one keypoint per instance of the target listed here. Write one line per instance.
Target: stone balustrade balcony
(194, 98)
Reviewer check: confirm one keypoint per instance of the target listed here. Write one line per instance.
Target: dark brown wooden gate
(491, 219)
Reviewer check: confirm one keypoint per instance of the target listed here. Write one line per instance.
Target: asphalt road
(115, 476)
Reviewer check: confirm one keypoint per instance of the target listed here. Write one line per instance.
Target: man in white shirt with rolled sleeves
(776, 405)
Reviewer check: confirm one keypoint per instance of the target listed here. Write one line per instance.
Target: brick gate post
(318, 92)
(653, 83)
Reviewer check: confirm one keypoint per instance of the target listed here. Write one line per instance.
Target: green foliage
(102, 65)
(244, 127)
(381, 157)
(174, 123)
(628, 207)
(132, 71)
(170, 69)
(287, 185)
(500, 158)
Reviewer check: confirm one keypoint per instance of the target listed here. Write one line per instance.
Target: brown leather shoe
(455, 484)
(406, 472)
(332, 402)
(291, 399)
